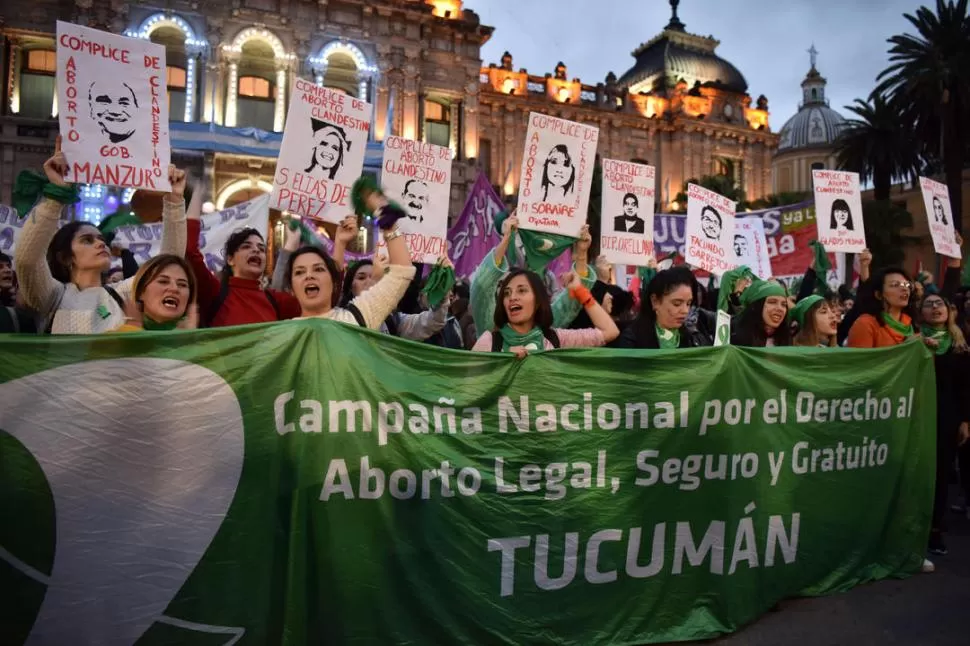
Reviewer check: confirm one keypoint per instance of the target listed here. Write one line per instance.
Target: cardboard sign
(710, 230)
(418, 176)
(322, 153)
(556, 175)
(146, 241)
(626, 231)
(750, 246)
(722, 334)
(838, 209)
(113, 108)
(939, 217)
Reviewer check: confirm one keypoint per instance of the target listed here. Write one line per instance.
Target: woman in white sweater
(60, 269)
(315, 280)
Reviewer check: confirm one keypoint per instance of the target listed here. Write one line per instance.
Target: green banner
(309, 482)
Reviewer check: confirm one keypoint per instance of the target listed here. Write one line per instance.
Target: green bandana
(153, 326)
(822, 264)
(728, 282)
(647, 274)
(363, 184)
(540, 248)
(942, 336)
(668, 339)
(801, 309)
(439, 283)
(534, 339)
(30, 185)
(760, 289)
(123, 217)
(897, 326)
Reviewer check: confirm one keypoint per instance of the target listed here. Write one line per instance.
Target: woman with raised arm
(238, 297)
(494, 267)
(66, 287)
(315, 278)
(663, 321)
(885, 319)
(523, 320)
(162, 296)
(763, 321)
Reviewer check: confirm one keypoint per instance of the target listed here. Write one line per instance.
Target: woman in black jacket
(665, 320)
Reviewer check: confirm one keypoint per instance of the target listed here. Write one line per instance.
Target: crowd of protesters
(61, 282)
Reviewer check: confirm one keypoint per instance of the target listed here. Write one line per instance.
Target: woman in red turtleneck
(238, 298)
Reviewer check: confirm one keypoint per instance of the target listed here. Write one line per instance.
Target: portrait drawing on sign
(113, 107)
(630, 221)
(330, 143)
(558, 173)
(711, 223)
(740, 246)
(841, 220)
(415, 199)
(939, 212)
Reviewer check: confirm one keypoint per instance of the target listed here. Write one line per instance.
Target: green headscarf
(801, 309)
(760, 289)
(729, 279)
(540, 248)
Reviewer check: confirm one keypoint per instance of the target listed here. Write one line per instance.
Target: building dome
(815, 125)
(676, 56)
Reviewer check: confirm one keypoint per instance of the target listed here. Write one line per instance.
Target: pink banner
(474, 234)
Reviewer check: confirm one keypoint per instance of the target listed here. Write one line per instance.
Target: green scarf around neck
(150, 325)
(942, 336)
(668, 339)
(534, 338)
(897, 326)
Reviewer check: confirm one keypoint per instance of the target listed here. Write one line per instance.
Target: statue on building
(560, 71)
(762, 102)
(507, 61)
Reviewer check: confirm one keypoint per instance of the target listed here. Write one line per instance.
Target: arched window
(175, 84)
(37, 83)
(814, 94)
(256, 90)
(173, 40)
(437, 122)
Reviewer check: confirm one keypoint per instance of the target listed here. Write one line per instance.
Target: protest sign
(710, 230)
(10, 227)
(722, 334)
(626, 230)
(289, 479)
(939, 217)
(556, 175)
(838, 208)
(145, 241)
(113, 108)
(750, 246)
(322, 153)
(418, 176)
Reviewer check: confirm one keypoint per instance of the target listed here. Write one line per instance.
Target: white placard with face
(750, 246)
(709, 238)
(626, 231)
(838, 211)
(556, 175)
(939, 216)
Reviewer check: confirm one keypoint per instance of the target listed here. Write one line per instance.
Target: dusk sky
(767, 40)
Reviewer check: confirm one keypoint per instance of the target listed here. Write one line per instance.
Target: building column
(470, 123)
(232, 90)
(13, 75)
(454, 124)
(279, 114)
(409, 102)
(192, 81)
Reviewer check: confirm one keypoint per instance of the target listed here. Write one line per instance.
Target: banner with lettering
(710, 230)
(556, 175)
(939, 217)
(838, 203)
(145, 241)
(294, 479)
(322, 153)
(112, 108)
(750, 246)
(418, 176)
(626, 230)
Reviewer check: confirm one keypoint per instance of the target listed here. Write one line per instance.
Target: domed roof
(812, 126)
(671, 59)
(815, 125)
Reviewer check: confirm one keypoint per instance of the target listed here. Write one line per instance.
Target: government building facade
(232, 64)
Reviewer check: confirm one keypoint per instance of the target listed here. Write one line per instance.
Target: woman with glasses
(884, 302)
